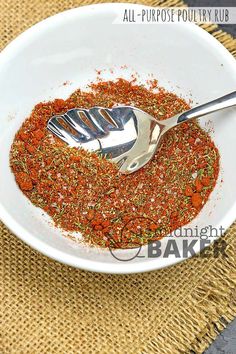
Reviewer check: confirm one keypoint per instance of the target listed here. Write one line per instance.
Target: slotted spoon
(126, 135)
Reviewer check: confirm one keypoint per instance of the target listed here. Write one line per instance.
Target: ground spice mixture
(84, 192)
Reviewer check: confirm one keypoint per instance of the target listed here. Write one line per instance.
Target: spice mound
(85, 193)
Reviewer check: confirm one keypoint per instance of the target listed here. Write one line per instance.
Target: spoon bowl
(126, 135)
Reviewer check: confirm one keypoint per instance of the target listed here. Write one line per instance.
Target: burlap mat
(47, 307)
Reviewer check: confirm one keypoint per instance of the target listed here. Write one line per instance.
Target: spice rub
(84, 192)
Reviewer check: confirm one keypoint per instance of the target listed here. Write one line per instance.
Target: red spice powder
(86, 193)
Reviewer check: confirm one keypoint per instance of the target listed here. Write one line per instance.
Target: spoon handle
(209, 107)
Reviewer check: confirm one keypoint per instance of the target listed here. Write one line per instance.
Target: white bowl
(69, 47)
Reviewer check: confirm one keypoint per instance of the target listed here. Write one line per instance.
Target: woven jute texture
(47, 307)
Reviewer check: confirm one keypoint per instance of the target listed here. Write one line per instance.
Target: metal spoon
(126, 135)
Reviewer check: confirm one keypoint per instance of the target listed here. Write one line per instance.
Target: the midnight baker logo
(140, 231)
